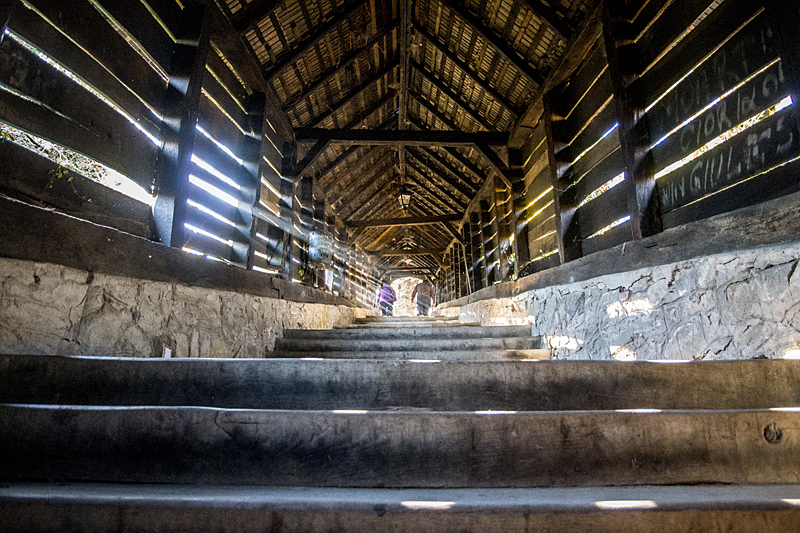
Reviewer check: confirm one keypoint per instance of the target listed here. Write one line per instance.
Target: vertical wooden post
(502, 228)
(640, 180)
(253, 151)
(181, 102)
(490, 251)
(478, 257)
(566, 217)
(517, 211)
(469, 265)
(288, 204)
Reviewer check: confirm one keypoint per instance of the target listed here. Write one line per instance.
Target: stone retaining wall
(726, 306)
(57, 310)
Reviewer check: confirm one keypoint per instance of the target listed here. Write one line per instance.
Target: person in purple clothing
(386, 299)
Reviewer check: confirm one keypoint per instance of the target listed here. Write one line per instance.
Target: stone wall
(736, 305)
(52, 309)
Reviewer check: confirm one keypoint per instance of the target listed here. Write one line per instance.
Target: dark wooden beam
(508, 52)
(447, 91)
(468, 70)
(468, 193)
(402, 138)
(579, 45)
(388, 69)
(431, 179)
(496, 164)
(344, 63)
(432, 189)
(451, 169)
(345, 154)
(182, 101)
(311, 157)
(358, 231)
(550, 17)
(319, 33)
(254, 13)
(412, 252)
(382, 180)
(404, 221)
(452, 230)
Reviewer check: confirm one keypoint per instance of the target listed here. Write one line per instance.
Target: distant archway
(404, 287)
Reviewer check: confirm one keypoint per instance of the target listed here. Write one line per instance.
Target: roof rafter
(467, 69)
(550, 17)
(402, 137)
(432, 180)
(450, 168)
(316, 37)
(447, 91)
(511, 55)
(433, 191)
(388, 69)
(339, 67)
(467, 193)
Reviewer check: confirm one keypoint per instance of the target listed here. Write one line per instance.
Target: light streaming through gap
(208, 234)
(209, 212)
(70, 39)
(540, 211)
(700, 63)
(219, 145)
(225, 197)
(608, 228)
(80, 81)
(539, 197)
(214, 172)
(607, 186)
(712, 104)
(710, 145)
(606, 134)
(77, 162)
(544, 255)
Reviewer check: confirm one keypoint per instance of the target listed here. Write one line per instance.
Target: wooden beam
(310, 158)
(388, 69)
(579, 45)
(550, 17)
(449, 227)
(434, 191)
(344, 63)
(366, 177)
(468, 70)
(404, 221)
(7, 8)
(402, 138)
(182, 100)
(319, 33)
(254, 13)
(355, 235)
(497, 164)
(468, 193)
(379, 183)
(447, 91)
(412, 252)
(451, 169)
(461, 204)
(344, 155)
(509, 53)
(430, 108)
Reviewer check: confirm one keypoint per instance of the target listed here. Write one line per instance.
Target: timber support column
(181, 104)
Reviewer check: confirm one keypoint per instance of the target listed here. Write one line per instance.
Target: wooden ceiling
(442, 65)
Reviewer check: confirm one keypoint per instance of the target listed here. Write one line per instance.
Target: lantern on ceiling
(404, 196)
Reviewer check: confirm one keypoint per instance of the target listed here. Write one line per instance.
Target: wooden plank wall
(678, 112)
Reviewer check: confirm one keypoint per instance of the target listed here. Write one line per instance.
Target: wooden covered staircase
(398, 425)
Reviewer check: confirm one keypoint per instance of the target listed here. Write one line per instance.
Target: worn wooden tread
(35, 507)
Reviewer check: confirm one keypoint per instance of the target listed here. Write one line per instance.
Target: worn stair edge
(417, 332)
(107, 507)
(525, 385)
(408, 325)
(407, 345)
(407, 319)
(419, 355)
(397, 449)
